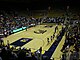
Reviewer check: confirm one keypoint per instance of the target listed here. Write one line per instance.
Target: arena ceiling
(28, 1)
(21, 0)
(44, 1)
(38, 3)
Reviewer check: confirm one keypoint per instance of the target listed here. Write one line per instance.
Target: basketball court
(36, 37)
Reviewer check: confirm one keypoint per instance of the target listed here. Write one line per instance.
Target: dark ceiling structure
(39, 3)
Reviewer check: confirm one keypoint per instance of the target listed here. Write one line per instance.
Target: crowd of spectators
(7, 53)
(72, 40)
(11, 20)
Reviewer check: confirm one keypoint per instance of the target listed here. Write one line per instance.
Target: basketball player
(51, 38)
(26, 29)
(40, 49)
(48, 40)
(56, 28)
